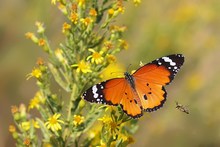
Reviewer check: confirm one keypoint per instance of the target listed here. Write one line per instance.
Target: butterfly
(182, 108)
(138, 92)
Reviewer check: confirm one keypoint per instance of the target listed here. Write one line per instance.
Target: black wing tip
(95, 95)
(181, 57)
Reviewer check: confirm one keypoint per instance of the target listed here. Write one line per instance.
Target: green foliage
(91, 41)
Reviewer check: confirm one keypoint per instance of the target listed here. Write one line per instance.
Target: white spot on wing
(167, 59)
(95, 95)
(94, 91)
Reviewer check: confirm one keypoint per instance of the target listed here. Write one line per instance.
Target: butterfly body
(141, 91)
(130, 79)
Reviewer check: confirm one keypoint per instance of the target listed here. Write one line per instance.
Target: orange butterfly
(141, 91)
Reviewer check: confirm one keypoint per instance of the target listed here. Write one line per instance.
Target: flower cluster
(91, 42)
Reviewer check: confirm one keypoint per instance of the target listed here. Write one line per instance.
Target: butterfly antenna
(128, 67)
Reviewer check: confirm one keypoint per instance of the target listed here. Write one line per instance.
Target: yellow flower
(105, 119)
(66, 27)
(27, 142)
(14, 109)
(12, 128)
(41, 42)
(35, 102)
(108, 44)
(111, 11)
(81, 3)
(74, 7)
(54, 122)
(111, 125)
(74, 17)
(40, 28)
(96, 56)
(35, 124)
(25, 125)
(114, 126)
(92, 12)
(130, 139)
(86, 21)
(120, 7)
(31, 36)
(115, 28)
(111, 58)
(123, 44)
(83, 67)
(40, 61)
(136, 2)
(77, 120)
(36, 72)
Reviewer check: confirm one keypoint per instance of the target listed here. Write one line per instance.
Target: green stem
(72, 97)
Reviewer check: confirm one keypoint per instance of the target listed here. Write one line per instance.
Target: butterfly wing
(114, 92)
(151, 78)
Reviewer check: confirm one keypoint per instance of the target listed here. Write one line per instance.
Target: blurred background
(155, 29)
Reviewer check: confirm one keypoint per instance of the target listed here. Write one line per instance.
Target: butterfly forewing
(161, 70)
(107, 92)
(152, 95)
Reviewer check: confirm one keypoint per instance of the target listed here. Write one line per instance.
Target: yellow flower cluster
(91, 43)
(26, 125)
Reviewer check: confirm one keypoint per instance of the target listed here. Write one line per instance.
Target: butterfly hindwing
(152, 95)
(130, 102)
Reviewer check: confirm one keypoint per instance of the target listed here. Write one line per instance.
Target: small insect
(140, 91)
(182, 108)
